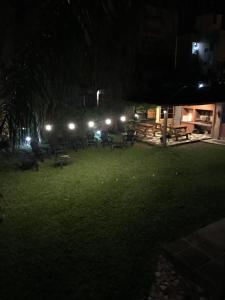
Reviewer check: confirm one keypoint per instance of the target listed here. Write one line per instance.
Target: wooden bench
(157, 128)
(141, 132)
(143, 129)
(61, 157)
(118, 145)
(62, 160)
(180, 132)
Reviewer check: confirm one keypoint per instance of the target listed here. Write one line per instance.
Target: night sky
(81, 45)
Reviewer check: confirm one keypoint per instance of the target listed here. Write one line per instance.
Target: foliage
(59, 54)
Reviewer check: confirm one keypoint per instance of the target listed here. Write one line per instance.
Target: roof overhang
(183, 95)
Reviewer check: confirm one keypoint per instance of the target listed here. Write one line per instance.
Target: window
(170, 111)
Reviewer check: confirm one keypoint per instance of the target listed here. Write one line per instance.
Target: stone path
(215, 141)
(171, 142)
(170, 285)
(200, 256)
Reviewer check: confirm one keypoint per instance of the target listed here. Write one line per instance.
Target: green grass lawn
(94, 229)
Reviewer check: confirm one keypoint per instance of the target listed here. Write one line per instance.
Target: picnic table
(144, 129)
(61, 157)
(129, 137)
(179, 131)
(62, 160)
(157, 128)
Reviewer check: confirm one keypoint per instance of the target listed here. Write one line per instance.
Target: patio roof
(181, 95)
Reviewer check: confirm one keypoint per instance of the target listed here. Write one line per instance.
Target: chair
(61, 157)
(157, 128)
(106, 140)
(28, 161)
(78, 143)
(90, 139)
(129, 138)
(36, 150)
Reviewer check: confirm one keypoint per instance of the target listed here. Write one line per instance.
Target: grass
(94, 229)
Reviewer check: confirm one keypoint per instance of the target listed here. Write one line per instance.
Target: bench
(144, 129)
(118, 145)
(141, 131)
(28, 163)
(62, 160)
(181, 133)
(157, 128)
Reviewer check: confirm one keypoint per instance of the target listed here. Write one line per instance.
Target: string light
(48, 127)
(108, 121)
(91, 124)
(71, 126)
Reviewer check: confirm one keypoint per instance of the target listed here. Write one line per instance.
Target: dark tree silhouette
(53, 51)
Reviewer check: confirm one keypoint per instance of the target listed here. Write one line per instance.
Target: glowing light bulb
(201, 85)
(71, 126)
(108, 121)
(91, 124)
(48, 127)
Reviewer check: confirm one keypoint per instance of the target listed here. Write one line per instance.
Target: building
(202, 53)
(156, 45)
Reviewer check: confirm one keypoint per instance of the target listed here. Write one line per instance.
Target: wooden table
(143, 128)
(184, 127)
(179, 130)
(145, 125)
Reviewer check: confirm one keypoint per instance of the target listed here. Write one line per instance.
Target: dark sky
(85, 33)
(26, 16)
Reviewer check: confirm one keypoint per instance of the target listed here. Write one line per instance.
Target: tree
(62, 49)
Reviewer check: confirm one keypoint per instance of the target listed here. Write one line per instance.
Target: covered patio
(189, 115)
(193, 137)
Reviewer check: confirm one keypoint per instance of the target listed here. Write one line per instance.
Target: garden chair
(28, 161)
(129, 137)
(78, 143)
(90, 139)
(36, 150)
(106, 140)
(56, 148)
(62, 158)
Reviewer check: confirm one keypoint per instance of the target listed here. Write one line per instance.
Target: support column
(164, 129)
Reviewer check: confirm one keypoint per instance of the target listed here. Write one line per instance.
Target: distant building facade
(156, 45)
(203, 50)
(202, 53)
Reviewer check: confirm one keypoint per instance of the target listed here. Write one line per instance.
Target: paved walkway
(215, 141)
(155, 140)
(200, 256)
